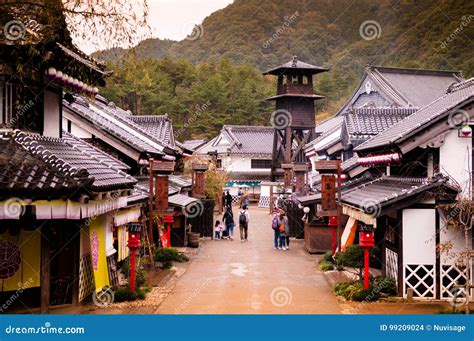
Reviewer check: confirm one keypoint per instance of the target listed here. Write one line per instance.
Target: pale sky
(175, 19)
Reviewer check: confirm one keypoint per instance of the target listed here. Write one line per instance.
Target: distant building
(244, 152)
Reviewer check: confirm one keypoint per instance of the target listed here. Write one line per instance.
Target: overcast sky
(175, 19)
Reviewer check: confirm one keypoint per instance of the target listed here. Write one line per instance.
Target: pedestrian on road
(244, 219)
(228, 199)
(245, 199)
(229, 222)
(276, 231)
(218, 229)
(284, 228)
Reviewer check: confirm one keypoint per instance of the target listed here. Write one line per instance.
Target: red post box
(134, 233)
(366, 240)
(333, 225)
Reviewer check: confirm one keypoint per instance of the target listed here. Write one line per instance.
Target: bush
(385, 285)
(141, 277)
(124, 294)
(326, 266)
(328, 257)
(352, 258)
(168, 255)
(354, 291)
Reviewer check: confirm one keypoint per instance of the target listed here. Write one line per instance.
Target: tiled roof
(107, 118)
(51, 166)
(328, 124)
(364, 123)
(430, 114)
(94, 151)
(193, 144)
(249, 176)
(241, 140)
(158, 126)
(383, 192)
(327, 139)
(295, 64)
(413, 87)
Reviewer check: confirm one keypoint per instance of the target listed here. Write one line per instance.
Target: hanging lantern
(466, 131)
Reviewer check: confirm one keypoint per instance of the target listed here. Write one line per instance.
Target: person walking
(228, 219)
(284, 228)
(276, 231)
(228, 199)
(218, 229)
(244, 219)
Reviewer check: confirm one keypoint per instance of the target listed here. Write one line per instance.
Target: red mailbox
(333, 225)
(366, 238)
(134, 230)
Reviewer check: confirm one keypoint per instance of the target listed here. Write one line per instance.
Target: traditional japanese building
(60, 197)
(244, 152)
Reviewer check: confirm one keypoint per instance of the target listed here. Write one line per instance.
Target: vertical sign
(328, 195)
(161, 192)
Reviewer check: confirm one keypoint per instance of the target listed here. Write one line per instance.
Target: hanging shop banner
(20, 259)
(122, 237)
(99, 260)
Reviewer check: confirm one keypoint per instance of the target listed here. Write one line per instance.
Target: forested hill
(330, 33)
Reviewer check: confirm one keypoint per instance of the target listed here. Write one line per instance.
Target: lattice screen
(391, 264)
(451, 275)
(86, 277)
(421, 278)
(264, 201)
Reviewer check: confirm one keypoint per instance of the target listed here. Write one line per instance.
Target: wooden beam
(45, 276)
(301, 145)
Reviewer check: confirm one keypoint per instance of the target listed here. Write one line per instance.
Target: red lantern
(134, 230)
(366, 240)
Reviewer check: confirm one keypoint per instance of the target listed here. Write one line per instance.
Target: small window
(219, 163)
(259, 164)
(6, 105)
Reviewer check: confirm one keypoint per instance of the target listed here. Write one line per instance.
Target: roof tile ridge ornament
(461, 85)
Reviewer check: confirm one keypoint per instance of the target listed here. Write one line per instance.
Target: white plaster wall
(52, 114)
(455, 158)
(79, 132)
(456, 238)
(109, 236)
(419, 236)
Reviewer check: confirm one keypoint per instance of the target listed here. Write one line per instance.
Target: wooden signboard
(163, 167)
(328, 195)
(161, 192)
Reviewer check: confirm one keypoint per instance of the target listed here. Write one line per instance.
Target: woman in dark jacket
(228, 219)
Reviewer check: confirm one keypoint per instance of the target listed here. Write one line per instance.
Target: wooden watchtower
(293, 119)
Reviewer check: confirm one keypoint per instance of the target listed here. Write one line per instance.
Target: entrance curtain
(99, 259)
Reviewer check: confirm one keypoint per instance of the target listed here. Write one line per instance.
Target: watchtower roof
(295, 65)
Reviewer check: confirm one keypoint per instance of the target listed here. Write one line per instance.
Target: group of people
(281, 231)
(242, 198)
(225, 229)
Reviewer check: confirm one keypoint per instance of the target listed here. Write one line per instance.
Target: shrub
(354, 291)
(124, 294)
(385, 285)
(328, 257)
(168, 255)
(141, 277)
(353, 257)
(326, 266)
